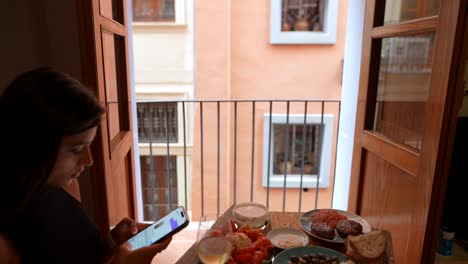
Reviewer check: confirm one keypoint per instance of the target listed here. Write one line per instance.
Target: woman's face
(73, 157)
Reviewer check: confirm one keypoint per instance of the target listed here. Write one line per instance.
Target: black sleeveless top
(56, 229)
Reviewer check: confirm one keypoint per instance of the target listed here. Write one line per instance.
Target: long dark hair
(36, 110)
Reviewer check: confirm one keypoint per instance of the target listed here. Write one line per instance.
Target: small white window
(310, 145)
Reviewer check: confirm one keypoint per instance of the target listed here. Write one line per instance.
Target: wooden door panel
(119, 182)
(108, 53)
(112, 9)
(114, 125)
(110, 81)
(121, 146)
(105, 8)
(105, 59)
(404, 114)
(119, 189)
(391, 151)
(380, 180)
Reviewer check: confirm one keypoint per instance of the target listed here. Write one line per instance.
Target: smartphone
(158, 231)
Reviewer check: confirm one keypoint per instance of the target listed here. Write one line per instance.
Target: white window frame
(327, 36)
(293, 180)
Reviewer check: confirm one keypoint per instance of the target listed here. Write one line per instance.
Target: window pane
(302, 15)
(153, 11)
(295, 148)
(404, 77)
(154, 115)
(397, 11)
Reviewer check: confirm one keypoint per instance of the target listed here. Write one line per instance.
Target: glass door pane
(397, 11)
(403, 85)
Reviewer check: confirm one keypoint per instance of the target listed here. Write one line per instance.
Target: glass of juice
(213, 247)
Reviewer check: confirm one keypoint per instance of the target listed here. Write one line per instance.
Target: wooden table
(278, 220)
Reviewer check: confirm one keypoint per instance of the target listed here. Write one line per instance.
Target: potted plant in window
(285, 26)
(281, 166)
(301, 22)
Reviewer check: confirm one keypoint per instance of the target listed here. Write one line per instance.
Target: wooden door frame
(442, 145)
(449, 125)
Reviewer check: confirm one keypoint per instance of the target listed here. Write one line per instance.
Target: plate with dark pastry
(333, 225)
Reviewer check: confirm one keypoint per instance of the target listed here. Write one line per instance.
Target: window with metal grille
(297, 151)
(157, 122)
(299, 147)
(153, 11)
(158, 185)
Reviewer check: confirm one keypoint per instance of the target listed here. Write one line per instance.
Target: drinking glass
(213, 247)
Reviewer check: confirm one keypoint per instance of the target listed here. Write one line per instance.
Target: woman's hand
(125, 229)
(123, 254)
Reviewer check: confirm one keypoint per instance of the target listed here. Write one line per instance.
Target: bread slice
(352, 256)
(367, 247)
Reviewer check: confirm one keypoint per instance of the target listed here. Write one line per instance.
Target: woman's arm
(8, 252)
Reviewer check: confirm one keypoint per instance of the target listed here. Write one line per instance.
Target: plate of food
(333, 225)
(309, 255)
(250, 245)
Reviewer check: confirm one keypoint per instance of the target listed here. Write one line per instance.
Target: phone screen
(159, 229)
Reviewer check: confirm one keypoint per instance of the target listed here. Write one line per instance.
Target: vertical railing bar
(159, 134)
(201, 160)
(336, 150)
(253, 152)
(152, 167)
(168, 163)
(304, 132)
(235, 152)
(269, 156)
(319, 156)
(185, 154)
(218, 162)
(286, 153)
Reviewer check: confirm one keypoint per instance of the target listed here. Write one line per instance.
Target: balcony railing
(210, 154)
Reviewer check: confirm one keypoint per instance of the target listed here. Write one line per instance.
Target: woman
(48, 123)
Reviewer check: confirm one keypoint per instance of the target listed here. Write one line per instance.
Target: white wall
(164, 55)
(350, 87)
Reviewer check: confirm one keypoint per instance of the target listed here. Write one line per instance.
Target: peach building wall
(234, 60)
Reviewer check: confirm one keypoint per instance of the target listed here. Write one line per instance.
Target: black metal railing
(184, 126)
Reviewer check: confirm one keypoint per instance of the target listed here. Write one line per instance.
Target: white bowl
(285, 238)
